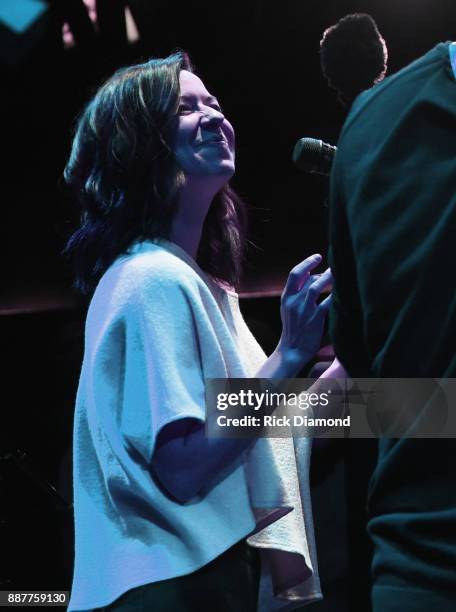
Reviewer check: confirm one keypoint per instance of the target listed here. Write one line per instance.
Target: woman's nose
(212, 116)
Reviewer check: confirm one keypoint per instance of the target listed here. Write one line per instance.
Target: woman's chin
(226, 168)
(223, 171)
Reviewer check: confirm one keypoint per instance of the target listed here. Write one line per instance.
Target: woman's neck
(186, 235)
(195, 199)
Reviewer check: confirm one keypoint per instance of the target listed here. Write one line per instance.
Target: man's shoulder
(397, 86)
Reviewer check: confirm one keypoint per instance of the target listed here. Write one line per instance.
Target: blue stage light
(19, 15)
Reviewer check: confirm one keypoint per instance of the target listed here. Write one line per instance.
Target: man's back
(393, 231)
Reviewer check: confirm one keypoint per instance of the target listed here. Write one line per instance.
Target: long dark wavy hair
(126, 179)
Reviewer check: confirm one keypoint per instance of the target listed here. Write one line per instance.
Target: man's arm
(346, 319)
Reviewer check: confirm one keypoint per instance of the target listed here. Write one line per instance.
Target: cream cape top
(156, 328)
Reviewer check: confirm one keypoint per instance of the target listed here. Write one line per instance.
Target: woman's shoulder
(147, 267)
(154, 263)
(150, 276)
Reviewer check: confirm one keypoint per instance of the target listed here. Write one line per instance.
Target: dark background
(260, 58)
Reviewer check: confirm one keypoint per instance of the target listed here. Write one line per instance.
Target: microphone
(315, 156)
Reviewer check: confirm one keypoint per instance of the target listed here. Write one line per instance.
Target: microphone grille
(307, 153)
(312, 155)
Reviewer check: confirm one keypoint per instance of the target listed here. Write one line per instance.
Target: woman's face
(204, 139)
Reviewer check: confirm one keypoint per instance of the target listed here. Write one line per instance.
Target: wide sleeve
(163, 378)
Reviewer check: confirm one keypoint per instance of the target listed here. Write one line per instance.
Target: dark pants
(229, 583)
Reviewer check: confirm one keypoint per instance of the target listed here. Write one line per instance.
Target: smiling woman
(203, 146)
(165, 518)
(204, 143)
(126, 177)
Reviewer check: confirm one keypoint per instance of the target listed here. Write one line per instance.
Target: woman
(162, 513)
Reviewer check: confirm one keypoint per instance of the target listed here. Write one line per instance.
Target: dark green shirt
(392, 252)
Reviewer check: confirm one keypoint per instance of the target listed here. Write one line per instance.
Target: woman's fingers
(322, 282)
(300, 273)
(325, 304)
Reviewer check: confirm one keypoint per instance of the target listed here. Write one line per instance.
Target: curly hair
(353, 55)
(126, 179)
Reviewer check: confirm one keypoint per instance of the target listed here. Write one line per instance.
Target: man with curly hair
(353, 56)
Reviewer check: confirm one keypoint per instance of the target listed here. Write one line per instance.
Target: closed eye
(185, 109)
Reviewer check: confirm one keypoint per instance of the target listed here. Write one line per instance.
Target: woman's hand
(335, 370)
(302, 318)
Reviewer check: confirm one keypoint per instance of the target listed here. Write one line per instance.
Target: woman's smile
(204, 142)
